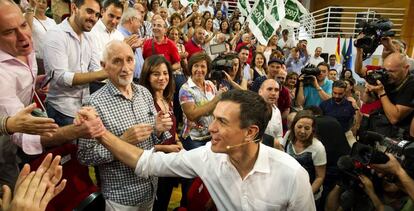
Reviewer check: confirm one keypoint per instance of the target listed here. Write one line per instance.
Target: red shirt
(249, 59)
(191, 47)
(166, 47)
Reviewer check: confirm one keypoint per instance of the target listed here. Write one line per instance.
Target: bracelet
(382, 95)
(3, 126)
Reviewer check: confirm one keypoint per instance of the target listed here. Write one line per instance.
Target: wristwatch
(319, 89)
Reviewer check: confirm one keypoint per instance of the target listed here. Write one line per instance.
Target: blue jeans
(60, 119)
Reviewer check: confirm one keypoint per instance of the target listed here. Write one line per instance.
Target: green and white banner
(244, 7)
(264, 19)
(187, 2)
(294, 10)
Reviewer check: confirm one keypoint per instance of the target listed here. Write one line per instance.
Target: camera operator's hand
(315, 82)
(377, 89)
(391, 167)
(366, 184)
(369, 190)
(389, 47)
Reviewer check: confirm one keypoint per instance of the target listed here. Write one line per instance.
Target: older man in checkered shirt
(127, 111)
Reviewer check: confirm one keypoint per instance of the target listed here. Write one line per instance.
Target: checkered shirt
(119, 182)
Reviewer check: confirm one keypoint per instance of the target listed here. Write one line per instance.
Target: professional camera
(309, 71)
(373, 32)
(402, 150)
(223, 63)
(370, 149)
(380, 75)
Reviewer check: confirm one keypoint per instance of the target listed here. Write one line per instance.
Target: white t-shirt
(274, 127)
(290, 43)
(315, 61)
(40, 27)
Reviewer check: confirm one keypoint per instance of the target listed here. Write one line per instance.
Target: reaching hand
(89, 122)
(24, 122)
(137, 133)
(163, 122)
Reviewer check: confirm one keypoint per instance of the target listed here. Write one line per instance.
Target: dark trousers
(60, 119)
(164, 191)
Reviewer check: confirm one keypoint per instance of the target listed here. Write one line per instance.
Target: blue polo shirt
(343, 112)
(312, 97)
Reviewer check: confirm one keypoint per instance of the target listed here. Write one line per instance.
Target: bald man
(397, 95)
(270, 93)
(115, 102)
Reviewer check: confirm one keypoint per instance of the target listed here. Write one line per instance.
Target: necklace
(163, 105)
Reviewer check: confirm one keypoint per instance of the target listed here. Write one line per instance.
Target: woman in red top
(157, 77)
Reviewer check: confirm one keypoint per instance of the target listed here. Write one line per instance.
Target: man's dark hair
(316, 110)
(116, 3)
(339, 84)
(285, 31)
(333, 70)
(324, 64)
(253, 109)
(79, 3)
(244, 47)
(332, 55)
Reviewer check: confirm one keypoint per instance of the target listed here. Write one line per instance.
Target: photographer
(393, 167)
(319, 90)
(396, 94)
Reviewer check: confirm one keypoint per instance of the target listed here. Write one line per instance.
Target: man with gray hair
(131, 21)
(136, 122)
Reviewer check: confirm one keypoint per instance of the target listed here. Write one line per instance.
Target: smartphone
(47, 79)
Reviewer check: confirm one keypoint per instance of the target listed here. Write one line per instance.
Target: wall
(329, 46)
(407, 33)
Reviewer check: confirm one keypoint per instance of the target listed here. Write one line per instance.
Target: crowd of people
(132, 86)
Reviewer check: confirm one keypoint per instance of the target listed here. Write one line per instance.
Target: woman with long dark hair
(157, 77)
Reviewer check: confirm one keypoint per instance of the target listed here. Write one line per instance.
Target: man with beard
(72, 59)
(340, 108)
(105, 30)
(128, 112)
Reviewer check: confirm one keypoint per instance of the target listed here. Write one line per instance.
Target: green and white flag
(294, 10)
(258, 23)
(244, 7)
(275, 12)
(187, 2)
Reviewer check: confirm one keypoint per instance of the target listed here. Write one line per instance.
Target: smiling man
(127, 111)
(239, 172)
(69, 52)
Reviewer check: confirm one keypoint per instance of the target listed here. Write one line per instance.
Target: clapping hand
(34, 190)
(163, 122)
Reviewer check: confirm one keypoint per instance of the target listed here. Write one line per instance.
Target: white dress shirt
(276, 182)
(274, 127)
(316, 60)
(101, 36)
(66, 53)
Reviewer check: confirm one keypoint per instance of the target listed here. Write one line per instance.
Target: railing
(343, 21)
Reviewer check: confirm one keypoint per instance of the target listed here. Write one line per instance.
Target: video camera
(221, 64)
(373, 31)
(373, 76)
(370, 149)
(309, 71)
